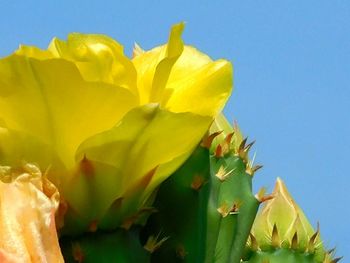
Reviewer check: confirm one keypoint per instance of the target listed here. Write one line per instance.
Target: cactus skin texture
(119, 246)
(206, 208)
(287, 255)
(181, 205)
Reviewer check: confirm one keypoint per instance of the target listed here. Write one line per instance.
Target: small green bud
(282, 224)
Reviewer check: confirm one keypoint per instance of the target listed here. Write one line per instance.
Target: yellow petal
(173, 51)
(154, 66)
(204, 91)
(27, 217)
(148, 137)
(34, 52)
(16, 147)
(98, 58)
(50, 101)
(183, 79)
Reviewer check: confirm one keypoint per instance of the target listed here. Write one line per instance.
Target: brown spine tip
(92, 226)
(275, 239)
(256, 168)
(61, 212)
(77, 252)
(251, 170)
(228, 138)
(208, 140)
(312, 241)
(262, 197)
(336, 260)
(247, 148)
(242, 145)
(142, 183)
(86, 167)
(253, 242)
(294, 244)
(129, 221)
(181, 252)
(197, 182)
(219, 152)
(235, 208)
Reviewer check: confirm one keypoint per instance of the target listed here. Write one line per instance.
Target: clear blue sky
(292, 78)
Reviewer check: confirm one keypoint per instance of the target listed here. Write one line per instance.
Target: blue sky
(292, 78)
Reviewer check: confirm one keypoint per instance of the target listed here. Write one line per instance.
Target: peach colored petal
(28, 203)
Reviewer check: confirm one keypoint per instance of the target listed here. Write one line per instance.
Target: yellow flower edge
(101, 122)
(28, 202)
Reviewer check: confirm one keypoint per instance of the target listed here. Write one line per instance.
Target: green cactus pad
(119, 246)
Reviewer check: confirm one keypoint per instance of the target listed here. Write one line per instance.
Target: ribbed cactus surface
(205, 209)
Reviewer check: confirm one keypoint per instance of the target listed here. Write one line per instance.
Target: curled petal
(28, 203)
(182, 79)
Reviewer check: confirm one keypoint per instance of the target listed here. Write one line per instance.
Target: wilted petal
(27, 217)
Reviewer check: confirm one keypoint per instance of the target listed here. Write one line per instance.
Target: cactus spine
(206, 208)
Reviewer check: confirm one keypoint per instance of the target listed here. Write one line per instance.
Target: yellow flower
(28, 203)
(108, 129)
